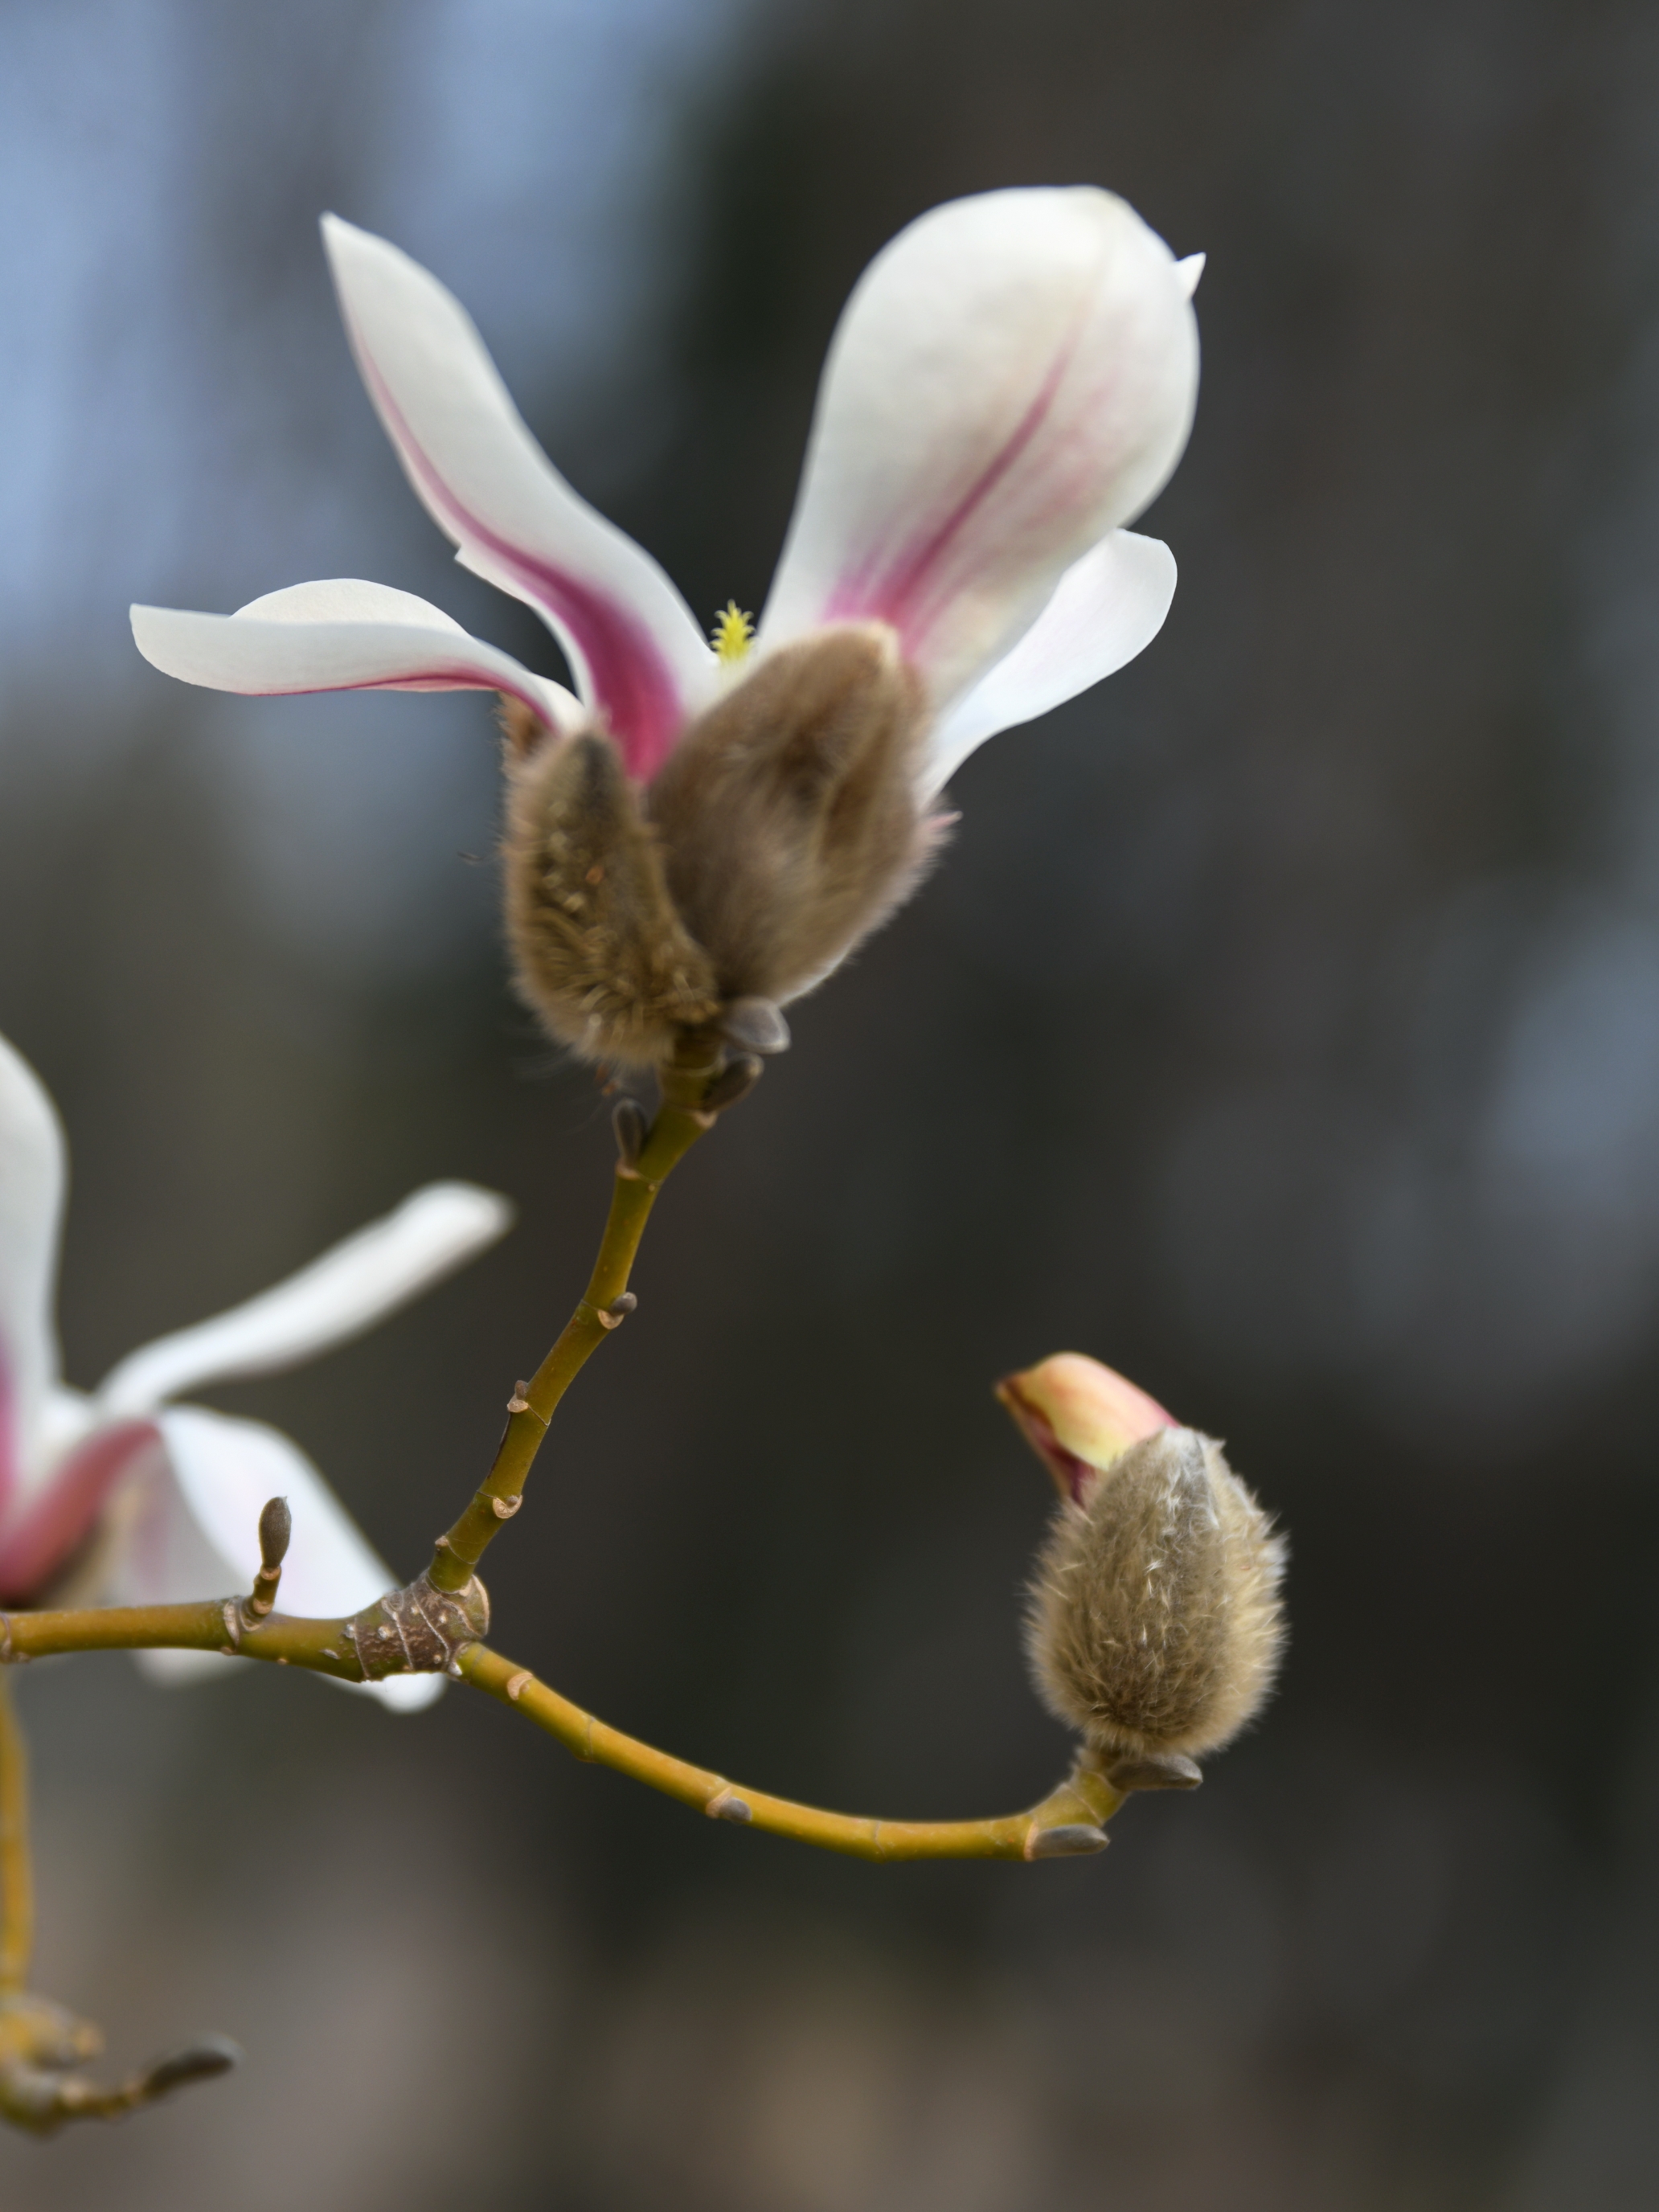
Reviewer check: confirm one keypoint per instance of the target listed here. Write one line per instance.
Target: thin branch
(16, 1867)
(685, 1082)
(1070, 1821)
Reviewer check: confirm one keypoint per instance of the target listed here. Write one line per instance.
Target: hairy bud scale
(598, 949)
(782, 829)
(1155, 1626)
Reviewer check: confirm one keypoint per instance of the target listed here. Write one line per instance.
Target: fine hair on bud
(788, 813)
(599, 951)
(1155, 1626)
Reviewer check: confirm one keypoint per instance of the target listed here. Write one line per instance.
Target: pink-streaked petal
(48, 1526)
(638, 654)
(351, 1287)
(339, 635)
(1079, 1415)
(194, 1535)
(33, 1172)
(1108, 607)
(1013, 377)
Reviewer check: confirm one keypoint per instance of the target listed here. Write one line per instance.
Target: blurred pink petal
(34, 1175)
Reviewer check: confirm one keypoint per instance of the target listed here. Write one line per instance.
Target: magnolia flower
(1013, 380)
(160, 1503)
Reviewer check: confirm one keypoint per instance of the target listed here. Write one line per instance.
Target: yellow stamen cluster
(731, 633)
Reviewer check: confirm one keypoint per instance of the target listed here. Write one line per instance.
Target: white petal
(194, 1535)
(1190, 271)
(1108, 607)
(339, 635)
(1012, 377)
(34, 1171)
(338, 1297)
(638, 656)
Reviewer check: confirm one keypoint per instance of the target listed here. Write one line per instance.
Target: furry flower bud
(1155, 1626)
(783, 827)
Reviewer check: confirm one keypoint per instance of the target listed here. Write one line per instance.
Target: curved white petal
(34, 1171)
(193, 1533)
(342, 635)
(1190, 271)
(1108, 607)
(348, 1290)
(637, 652)
(1012, 377)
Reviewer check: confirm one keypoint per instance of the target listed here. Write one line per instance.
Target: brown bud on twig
(276, 1527)
(630, 1127)
(735, 1081)
(41, 2047)
(1155, 1625)
(757, 1025)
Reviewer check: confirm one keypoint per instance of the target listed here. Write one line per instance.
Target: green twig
(678, 1126)
(16, 1869)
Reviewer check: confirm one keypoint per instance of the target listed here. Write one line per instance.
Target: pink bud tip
(1079, 1415)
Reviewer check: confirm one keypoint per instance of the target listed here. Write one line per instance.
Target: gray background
(1284, 1027)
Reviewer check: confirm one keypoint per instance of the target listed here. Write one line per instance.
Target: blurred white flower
(164, 1500)
(1012, 379)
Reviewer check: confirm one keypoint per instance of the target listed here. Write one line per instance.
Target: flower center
(731, 633)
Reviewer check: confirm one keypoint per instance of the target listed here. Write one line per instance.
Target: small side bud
(757, 1025)
(1155, 1627)
(1073, 1840)
(735, 1081)
(275, 1530)
(1170, 1771)
(630, 1127)
(203, 2060)
(599, 951)
(276, 1527)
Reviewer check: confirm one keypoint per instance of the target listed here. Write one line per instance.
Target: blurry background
(1283, 1028)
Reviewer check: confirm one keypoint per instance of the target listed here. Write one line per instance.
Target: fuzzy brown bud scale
(1155, 1626)
(781, 831)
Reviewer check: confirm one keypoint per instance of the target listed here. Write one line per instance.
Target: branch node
(614, 1315)
(233, 1617)
(505, 1508)
(726, 1805)
(518, 1403)
(519, 1683)
(418, 1630)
